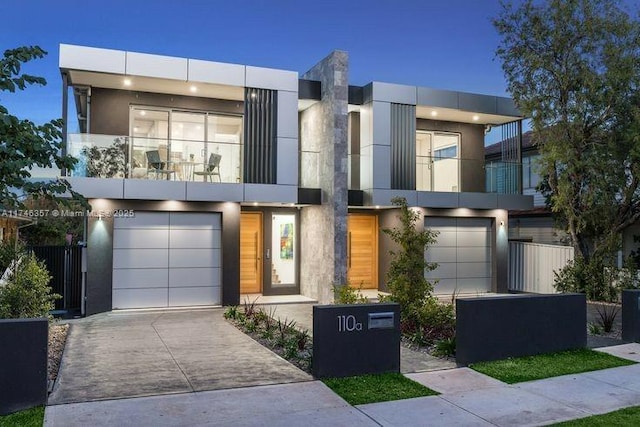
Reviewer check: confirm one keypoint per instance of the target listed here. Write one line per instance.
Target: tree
(24, 145)
(50, 229)
(405, 278)
(573, 67)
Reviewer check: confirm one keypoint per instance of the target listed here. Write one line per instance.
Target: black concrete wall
(631, 315)
(342, 349)
(23, 363)
(494, 328)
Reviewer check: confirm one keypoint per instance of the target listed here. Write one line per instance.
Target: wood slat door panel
(250, 252)
(363, 251)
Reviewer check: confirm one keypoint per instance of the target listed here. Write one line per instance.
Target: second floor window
(530, 177)
(437, 161)
(186, 143)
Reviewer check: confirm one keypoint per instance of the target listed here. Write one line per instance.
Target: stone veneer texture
(324, 227)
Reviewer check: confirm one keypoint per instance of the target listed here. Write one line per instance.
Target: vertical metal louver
(511, 153)
(403, 147)
(260, 143)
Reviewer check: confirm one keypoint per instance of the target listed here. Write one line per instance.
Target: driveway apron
(127, 354)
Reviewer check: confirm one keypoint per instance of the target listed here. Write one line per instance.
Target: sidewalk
(468, 398)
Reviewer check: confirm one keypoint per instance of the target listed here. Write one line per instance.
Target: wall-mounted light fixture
(501, 223)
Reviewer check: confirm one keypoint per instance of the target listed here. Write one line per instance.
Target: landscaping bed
(529, 368)
(281, 336)
(57, 340)
(604, 319)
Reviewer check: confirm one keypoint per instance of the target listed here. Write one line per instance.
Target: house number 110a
(348, 324)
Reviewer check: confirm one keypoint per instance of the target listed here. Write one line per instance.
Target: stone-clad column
(324, 228)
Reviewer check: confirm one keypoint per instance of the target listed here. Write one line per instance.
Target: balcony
(450, 174)
(119, 156)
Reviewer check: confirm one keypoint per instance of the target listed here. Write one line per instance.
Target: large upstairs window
(185, 145)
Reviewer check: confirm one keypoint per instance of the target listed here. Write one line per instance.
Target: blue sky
(441, 44)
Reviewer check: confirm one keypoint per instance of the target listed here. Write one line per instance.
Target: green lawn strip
(33, 417)
(377, 388)
(621, 417)
(516, 370)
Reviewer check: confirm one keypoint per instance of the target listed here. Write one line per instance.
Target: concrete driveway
(127, 354)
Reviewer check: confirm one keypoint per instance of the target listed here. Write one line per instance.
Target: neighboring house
(211, 180)
(11, 221)
(535, 225)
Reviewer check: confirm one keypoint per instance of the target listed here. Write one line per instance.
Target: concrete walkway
(468, 398)
(127, 354)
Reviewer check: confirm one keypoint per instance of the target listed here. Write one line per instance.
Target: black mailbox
(383, 320)
(355, 339)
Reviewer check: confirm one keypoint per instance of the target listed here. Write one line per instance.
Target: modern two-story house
(211, 180)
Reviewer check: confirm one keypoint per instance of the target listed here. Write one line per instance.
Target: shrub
(27, 292)
(301, 339)
(594, 329)
(437, 320)
(250, 307)
(260, 316)
(9, 252)
(231, 312)
(607, 316)
(406, 276)
(445, 347)
(345, 294)
(595, 278)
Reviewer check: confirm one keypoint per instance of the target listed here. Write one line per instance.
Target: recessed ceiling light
(135, 129)
(255, 203)
(127, 82)
(193, 89)
(476, 118)
(377, 206)
(434, 113)
(143, 113)
(253, 94)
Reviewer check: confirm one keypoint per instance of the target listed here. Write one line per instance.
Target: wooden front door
(363, 251)
(250, 252)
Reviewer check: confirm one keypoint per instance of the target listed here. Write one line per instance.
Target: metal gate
(65, 267)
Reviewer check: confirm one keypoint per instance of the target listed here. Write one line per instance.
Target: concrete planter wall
(23, 363)
(493, 328)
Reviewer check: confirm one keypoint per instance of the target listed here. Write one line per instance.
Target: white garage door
(463, 254)
(164, 259)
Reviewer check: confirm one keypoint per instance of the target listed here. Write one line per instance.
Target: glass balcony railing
(503, 177)
(445, 173)
(117, 156)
